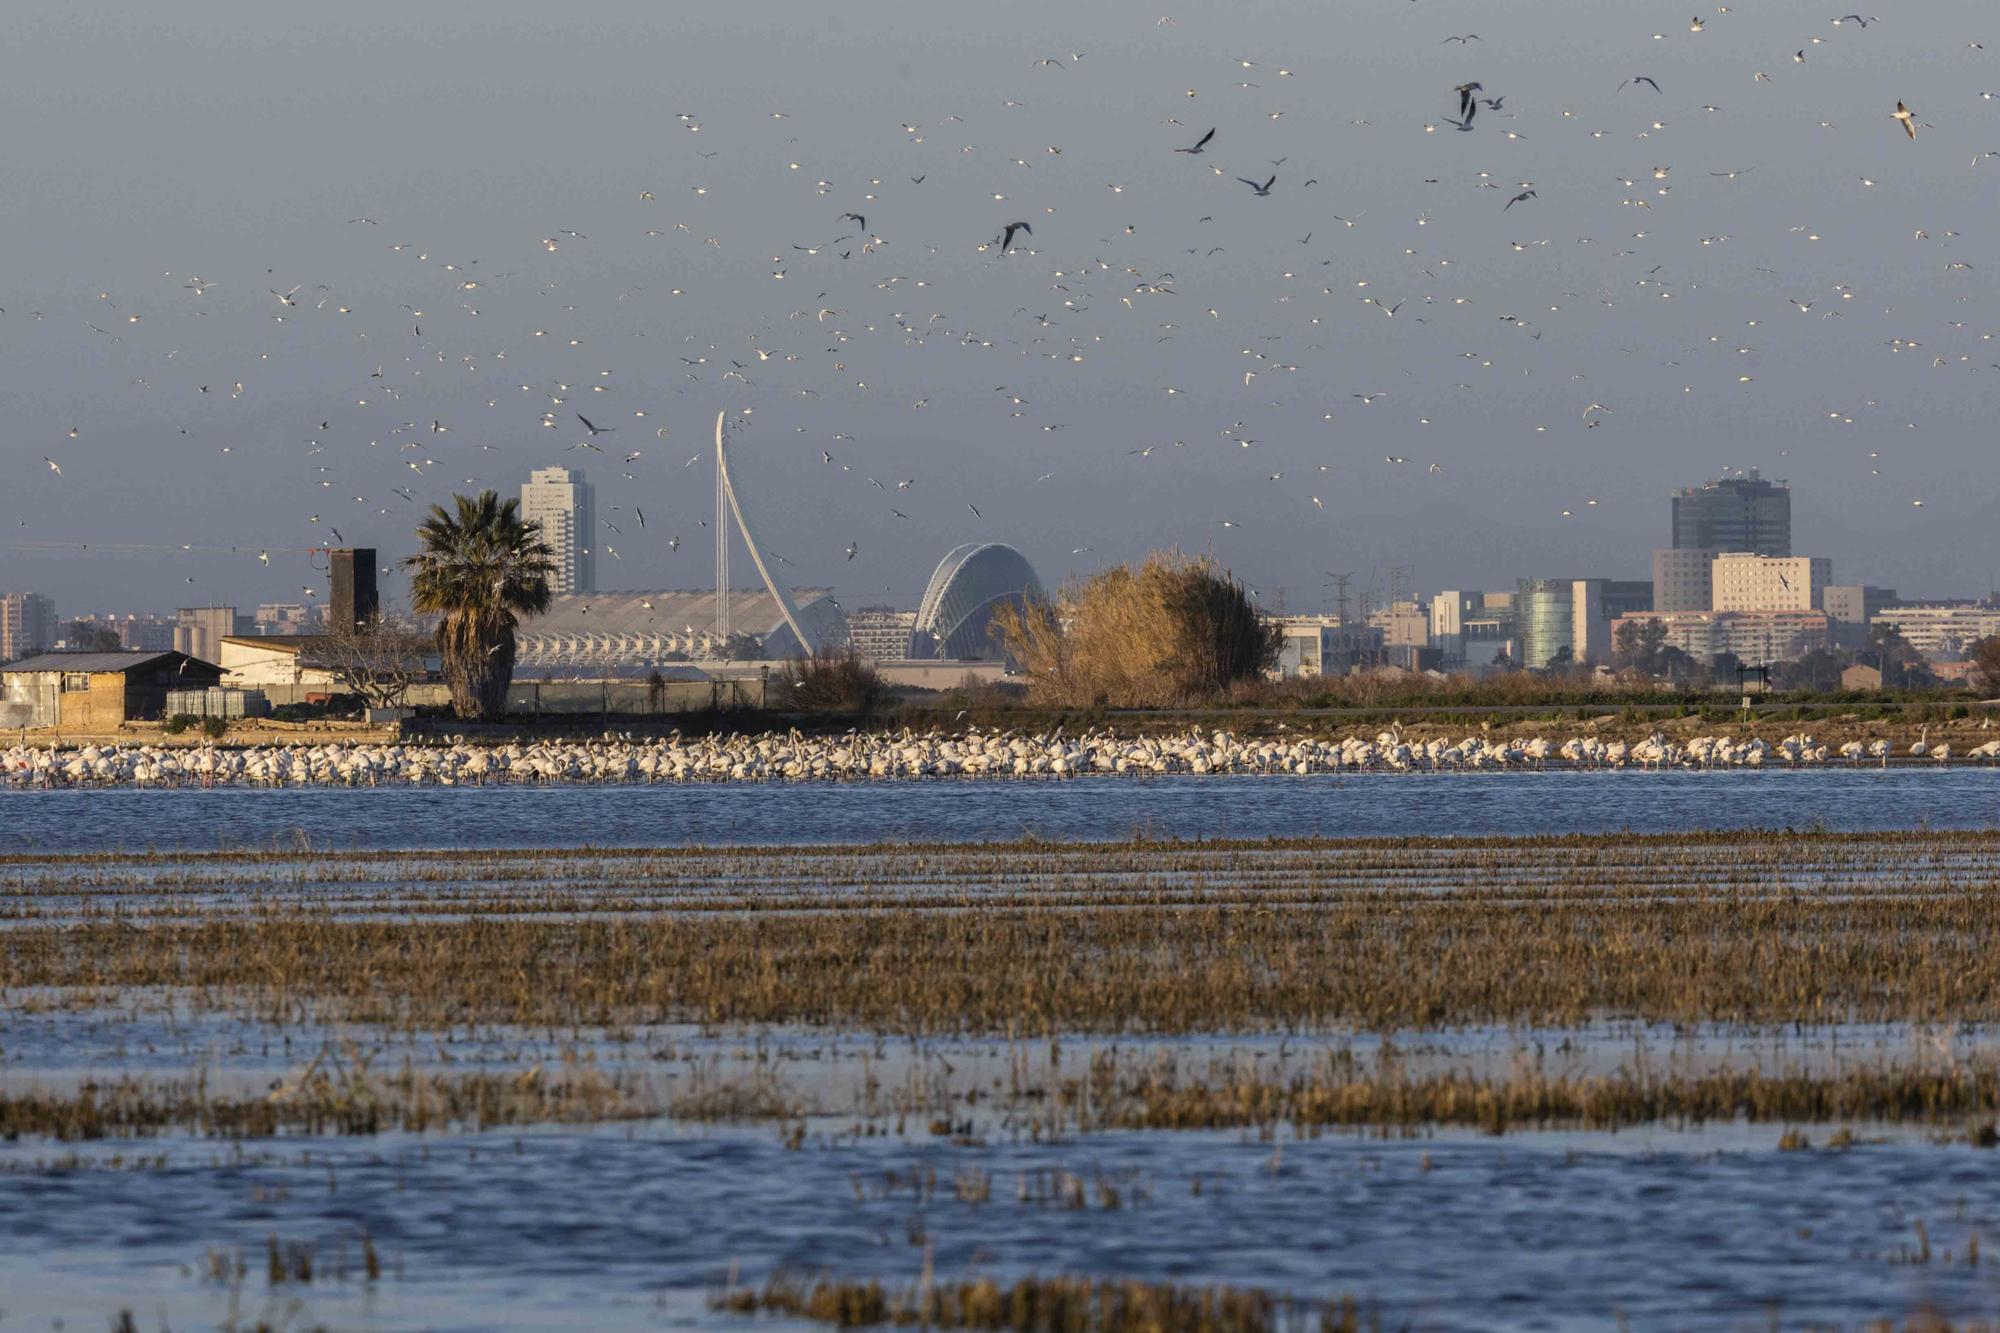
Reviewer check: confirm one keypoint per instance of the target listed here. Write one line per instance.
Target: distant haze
(149, 146)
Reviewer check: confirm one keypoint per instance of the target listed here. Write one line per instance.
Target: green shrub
(214, 727)
(179, 723)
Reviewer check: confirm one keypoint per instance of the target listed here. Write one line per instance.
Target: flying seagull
(1636, 79)
(1264, 190)
(1465, 98)
(1199, 144)
(1908, 117)
(1522, 196)
(1007, 234)
(595, 431)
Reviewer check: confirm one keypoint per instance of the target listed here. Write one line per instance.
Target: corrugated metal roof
(94, 662)
(290, 643)
(672, 611)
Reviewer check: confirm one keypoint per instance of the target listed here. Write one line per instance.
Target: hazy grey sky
(233, 142)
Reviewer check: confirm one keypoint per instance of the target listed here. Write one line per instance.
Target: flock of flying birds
(888, 301)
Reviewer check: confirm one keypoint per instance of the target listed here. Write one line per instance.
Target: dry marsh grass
(1034, 939)
(355, 1102)
(1160, 1095)
(1042, 1305)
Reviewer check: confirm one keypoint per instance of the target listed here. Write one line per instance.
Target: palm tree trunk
(499, 661)
(478, 660)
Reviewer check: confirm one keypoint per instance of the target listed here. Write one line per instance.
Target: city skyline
(1698, 324)
(1681, 579)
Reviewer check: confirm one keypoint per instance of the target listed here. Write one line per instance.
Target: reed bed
(317, 1102)
(1041, 1305)
(1034, 939)
(1042, 1099)
(1161, 1096)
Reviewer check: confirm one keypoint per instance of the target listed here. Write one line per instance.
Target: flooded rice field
(1686, 1080)
(597, 1228)
(1364, 804)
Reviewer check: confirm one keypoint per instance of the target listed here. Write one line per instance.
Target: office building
(1404, 624)
(1743, 581)
(1474, 629)
(1755, 638)
(1742, 513)
(352, 600)
(564, 504)
(200, 630)
(1765, 636)
(1853, 607)
(147, 634)
(27, 624)
(1449, 612)
(283, 618)
(134, 633)
(880, 633)
(1322, 646)
(1552, 615)
(1942, 631)
(1683, 578)
(1625, 597)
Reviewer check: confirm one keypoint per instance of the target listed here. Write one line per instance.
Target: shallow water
(632, 1229)
(636, 1225)
(1373, 804)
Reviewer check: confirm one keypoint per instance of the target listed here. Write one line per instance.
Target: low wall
(632, 698)
(939, 675)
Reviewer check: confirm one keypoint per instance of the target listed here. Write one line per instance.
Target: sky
(425, 233)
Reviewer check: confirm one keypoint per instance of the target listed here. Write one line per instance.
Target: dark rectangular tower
(353, 601)
(1741, 513)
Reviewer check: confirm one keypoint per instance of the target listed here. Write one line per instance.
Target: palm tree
(480, 569)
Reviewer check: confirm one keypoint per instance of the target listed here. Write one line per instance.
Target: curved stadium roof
(955, 619)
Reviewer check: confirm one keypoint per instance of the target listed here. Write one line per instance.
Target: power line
(145, 548)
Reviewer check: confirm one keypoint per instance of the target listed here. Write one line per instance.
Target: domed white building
(955, 619)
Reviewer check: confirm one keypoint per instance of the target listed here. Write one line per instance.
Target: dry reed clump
(1041, 1305)
(1177, 630)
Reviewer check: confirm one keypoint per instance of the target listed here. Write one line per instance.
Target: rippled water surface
(1375, 804)
(630, 1229)
(637, 1224)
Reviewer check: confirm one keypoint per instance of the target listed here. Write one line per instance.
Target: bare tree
(379, 659)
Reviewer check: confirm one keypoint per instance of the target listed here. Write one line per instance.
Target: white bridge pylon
(726, 506)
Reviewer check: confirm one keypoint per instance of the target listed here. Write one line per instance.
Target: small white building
(257, 661)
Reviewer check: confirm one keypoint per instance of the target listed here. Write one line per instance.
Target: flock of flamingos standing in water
(862, 756)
